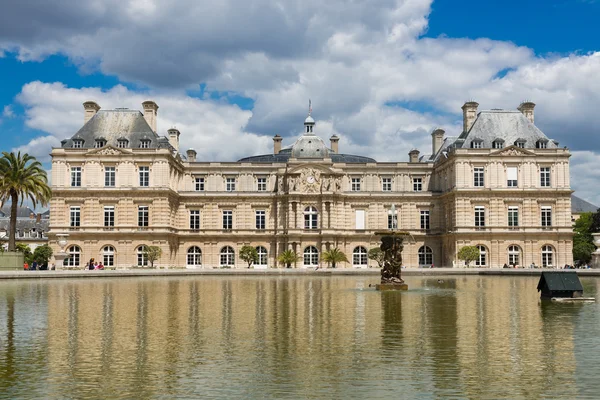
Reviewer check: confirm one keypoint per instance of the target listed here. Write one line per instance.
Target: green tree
(26, 250)
(468, 254)
(42, 254)
(153, 253)
(249, 254)
(377, 255)
(334, 256)
(583, 241)
(21, 177)
(595, 228)
(288, 257)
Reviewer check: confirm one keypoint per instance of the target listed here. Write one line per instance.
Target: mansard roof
(286, 153)
(112, 125)
(579, 205)
(506, 125)
(22, 212)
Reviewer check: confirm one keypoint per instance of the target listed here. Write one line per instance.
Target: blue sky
(381, 74)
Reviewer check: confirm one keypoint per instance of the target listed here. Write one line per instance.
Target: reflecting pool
(295, 337)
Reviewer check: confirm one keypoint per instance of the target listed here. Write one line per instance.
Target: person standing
(26, 266)
(34, 265)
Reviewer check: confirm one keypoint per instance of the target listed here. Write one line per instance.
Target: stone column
(596, 254)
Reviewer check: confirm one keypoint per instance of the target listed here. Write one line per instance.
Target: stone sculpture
(391, 245)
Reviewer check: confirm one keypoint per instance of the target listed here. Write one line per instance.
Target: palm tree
(334, 256)
(18, 181)
(288, 257)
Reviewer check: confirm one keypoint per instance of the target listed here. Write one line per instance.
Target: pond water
(295, 337)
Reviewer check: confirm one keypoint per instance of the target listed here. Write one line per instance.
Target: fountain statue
(391, 246)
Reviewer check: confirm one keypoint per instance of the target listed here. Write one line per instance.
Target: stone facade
(501, 185)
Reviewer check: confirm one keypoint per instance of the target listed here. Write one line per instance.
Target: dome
(309, 120)
(310, 146)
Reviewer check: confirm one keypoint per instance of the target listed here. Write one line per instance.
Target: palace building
(500, 185)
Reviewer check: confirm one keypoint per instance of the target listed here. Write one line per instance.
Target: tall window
(417, 184)
(311, 218)
(75, 220)
(356, 184)
(425, 255)
(311, 256)
(75, 176)
(513, 216)
(514, 255)
(359, 257)
(199, 184)
(424, 219)
(260, 219)
(261, 184)
(545, 176)
(230, 184)
(144, 176)
(74, 257)
(108, 256)
(479, 216)
(143, 216)
(547, 256)
(386, 184)
(227, 256)
(195, 220)
(227, 219)
(359, 219)
(194, 256)
(478, 177)
(142, 256)
(262, 256)
(393, 219)
(109, 216)
(77, 144)
(109, 176)
(481, 261)
(546, 216)
(511, 176)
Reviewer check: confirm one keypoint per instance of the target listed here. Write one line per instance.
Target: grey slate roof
(507, 125)
(112, 125)
(22, 212)
(285, 154)
(578, 205)
(26, 225)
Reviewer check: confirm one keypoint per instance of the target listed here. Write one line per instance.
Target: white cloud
(8, 112)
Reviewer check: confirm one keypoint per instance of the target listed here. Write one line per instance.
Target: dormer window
(477, 144)
(541, 144)
(122, 143)
(520, 143)
(99, 143)
(77, 143)
(498, 144)
(144, 144)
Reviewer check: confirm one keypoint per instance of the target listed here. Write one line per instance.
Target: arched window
(514, 255)
(262, 256)
(108, 256)
(142, 256)
(311, 256)
(359, 257)
(227, 256)
(425, 255)
(74, 257)
(482, 260)
(311, 217)
(547, 256)
(194, 256)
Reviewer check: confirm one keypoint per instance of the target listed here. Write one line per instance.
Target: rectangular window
(109, 216)
(262, 184)
(546, 216)
(511, 176)
(144, 144)
(425, 219)
(143, 214)
(478, 177)
(109, 176)
(75, 220)
(479, 216)
(77, 144)
(260, 219)
(545, 176)
(122, 144)
(360, 219)
(387, 184)
(417, 184)
(195, 220)
(520, 144)
(513, 216)
(227, 219)
(496, 144)
(392, 221)
(230, 184)
(476, 145)
(75, 176)
(199, 184)
(356, 184)
(144, 176)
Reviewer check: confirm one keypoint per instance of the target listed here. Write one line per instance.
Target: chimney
(150, 113)
(277, 144)
(413, 156)
(334, 143)
(90, 109)
(526, 108)
(31, 216)
(191, 155)
(437, 138)
(174, 138)
(469, 114)
(38, 218)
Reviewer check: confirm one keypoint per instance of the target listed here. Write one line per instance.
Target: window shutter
(360, 219)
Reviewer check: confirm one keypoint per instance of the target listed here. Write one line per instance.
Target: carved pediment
(311, 180)
(108, 151)
(512, 151)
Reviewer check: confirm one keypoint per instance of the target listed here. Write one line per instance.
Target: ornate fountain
(391, 246)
